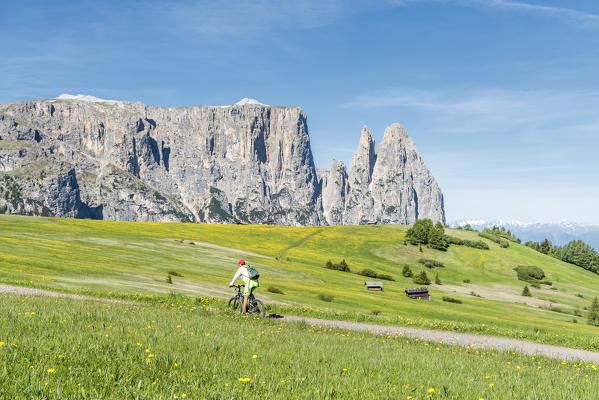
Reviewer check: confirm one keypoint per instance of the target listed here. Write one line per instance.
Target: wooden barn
(420, 293)
(378, 286)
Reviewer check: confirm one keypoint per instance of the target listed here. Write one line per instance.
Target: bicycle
(255, 306)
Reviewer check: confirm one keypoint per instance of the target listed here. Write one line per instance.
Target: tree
(437, 280)
(545, 247)
(579, 253)
(526, 291)
(419, 232)
(437, 239)
(593, 317)
(407, 272)
(421, 279)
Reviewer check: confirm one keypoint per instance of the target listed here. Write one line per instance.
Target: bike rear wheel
(256, 307)
(234, 304)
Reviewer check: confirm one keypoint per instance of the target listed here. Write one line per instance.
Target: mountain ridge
(82, 156)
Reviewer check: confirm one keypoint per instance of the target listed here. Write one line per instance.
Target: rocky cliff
(83, 157)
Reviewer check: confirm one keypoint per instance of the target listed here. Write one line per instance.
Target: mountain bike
(255, 306)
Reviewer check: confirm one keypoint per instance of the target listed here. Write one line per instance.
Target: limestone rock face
(391, 187)
(83, 157)
(334, 192)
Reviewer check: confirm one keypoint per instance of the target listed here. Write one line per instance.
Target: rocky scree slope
(83, 157)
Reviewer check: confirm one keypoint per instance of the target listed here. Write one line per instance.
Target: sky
(501, 97)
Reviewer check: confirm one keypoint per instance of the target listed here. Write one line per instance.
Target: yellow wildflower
(431, 390)
(244, 380)
(51, 370)
(255, 356)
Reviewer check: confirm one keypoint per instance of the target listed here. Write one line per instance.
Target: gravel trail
(7, 289)
(460, 339)
(454, 338)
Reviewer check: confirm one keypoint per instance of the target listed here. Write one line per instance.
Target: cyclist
(250, 276)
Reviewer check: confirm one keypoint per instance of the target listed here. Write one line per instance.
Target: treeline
(576, 252)
(423, 232)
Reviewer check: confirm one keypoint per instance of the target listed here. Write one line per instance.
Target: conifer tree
(407, 272)
(526, 291)
(437, 280)
(593, 317)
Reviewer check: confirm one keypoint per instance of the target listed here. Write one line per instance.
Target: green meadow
(132, 260)
(69, 349)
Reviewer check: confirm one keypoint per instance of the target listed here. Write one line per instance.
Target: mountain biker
(250, 277)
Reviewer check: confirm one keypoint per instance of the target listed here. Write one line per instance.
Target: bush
(421, 279)
(274, 289)
(385, 277)
(375, 312)
(174, 273)
(475, 244)
(428, 263)
(531, 274)
(342, 266)
(368, 272)
(535, 285)
(169, 279)
(326, 297)
(466, 281)
(475, 294)
(580, 295)
(407, 272)
(526, 291)
(488, 234)
(452, 300)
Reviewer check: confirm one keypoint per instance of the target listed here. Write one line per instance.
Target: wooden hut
(378, 286)
(420, 293)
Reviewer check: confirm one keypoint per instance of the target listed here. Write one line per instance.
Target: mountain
(559, 233)
(85, 157)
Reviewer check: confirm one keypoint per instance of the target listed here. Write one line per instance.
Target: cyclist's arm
(235, 278)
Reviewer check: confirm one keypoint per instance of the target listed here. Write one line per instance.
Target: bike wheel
(234, 304)
(256, 307)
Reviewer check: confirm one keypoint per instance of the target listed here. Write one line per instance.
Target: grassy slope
(174, 352)
(113, 258)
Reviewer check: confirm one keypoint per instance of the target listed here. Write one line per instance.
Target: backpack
(252, 272)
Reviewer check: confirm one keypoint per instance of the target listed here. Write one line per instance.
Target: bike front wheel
(234, 304)
(256, 307)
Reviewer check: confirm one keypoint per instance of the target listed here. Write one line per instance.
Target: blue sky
(501, 97)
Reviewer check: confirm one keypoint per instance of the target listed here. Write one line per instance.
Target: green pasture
(126, 259)
(68, 349)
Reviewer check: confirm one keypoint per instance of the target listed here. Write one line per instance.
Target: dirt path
(455, 338)
(461, 339)
(6, 289)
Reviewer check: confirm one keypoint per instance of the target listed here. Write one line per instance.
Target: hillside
(132, 259)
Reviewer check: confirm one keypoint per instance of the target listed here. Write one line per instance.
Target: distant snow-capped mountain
(558, 233)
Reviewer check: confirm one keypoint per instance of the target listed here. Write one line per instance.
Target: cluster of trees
(501, 232)
(342, 266)
(424, 232)
(576, 252)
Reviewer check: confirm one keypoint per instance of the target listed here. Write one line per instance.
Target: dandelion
(255, 356)
(51, 370)
(491, 384)
(147, 350)
(138, 344)
(151, 356)
(244, 380)
(1, 344)
(178, 326)
(176, 365)
(60, 356)
(31, 367)
(431, 390)
(183, 396)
